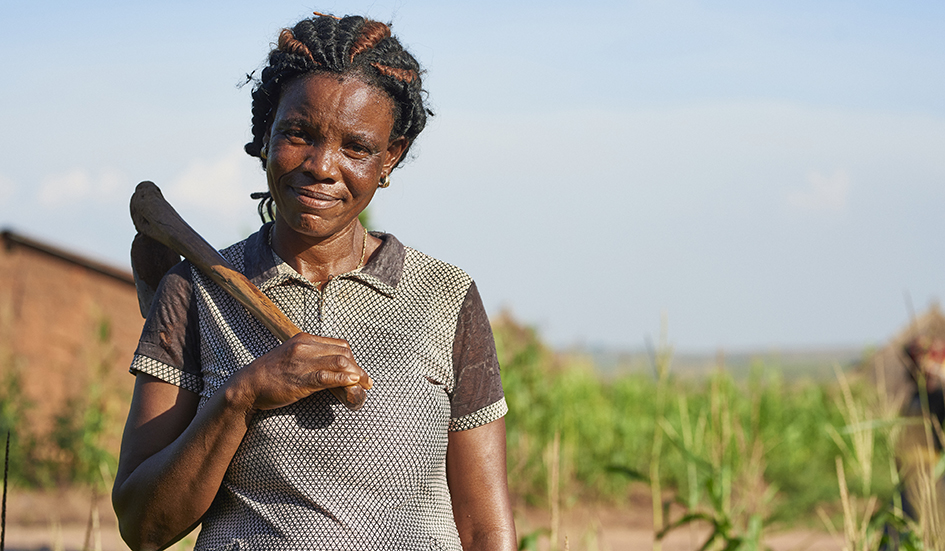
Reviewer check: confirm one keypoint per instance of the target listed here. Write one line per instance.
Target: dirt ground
(631, 529)
(61, 520)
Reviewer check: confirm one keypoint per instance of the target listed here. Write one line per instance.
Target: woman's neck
(319, 259)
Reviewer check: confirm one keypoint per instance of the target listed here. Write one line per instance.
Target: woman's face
(328, 147)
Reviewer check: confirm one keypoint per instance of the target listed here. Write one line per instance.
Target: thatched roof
(888, 364)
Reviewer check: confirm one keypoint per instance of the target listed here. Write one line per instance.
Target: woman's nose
(321, 161)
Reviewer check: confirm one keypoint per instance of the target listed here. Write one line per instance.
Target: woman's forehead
(329, 96)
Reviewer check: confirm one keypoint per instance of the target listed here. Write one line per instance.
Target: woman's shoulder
(252, 245)
(431, 275)
(417, 260)
(417, 263)
(413, 272)
(253, 256)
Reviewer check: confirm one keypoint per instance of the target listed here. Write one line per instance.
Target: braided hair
(344, 46)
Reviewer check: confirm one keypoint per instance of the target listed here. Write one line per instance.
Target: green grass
(758, 435)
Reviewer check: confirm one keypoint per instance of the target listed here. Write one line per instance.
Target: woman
(228, 427)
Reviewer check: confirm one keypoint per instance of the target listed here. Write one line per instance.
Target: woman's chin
(313, 226)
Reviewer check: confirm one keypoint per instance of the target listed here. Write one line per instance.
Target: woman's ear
(264, 151)
(395, 150)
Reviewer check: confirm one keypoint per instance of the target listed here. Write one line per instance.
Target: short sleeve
(168, 347)
(477, 397)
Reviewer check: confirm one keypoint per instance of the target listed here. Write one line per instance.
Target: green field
(741, 450)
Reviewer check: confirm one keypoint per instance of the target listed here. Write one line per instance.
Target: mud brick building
(68, 324)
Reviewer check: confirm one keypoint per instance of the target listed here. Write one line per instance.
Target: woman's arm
(476, 473)
(171, 462)
(173, 457)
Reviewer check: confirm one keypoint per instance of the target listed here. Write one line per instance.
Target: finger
(326, 378)
(309, 348)
(341, 348)
(357, 375)
(327, 340)
(364, 379)
(325, 346)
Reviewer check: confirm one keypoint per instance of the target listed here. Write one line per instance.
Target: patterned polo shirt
(314, 475)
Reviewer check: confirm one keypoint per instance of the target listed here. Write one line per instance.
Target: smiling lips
(315, 199)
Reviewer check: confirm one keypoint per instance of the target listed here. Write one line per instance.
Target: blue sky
(767, 174)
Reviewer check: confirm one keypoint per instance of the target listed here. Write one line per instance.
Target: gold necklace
(363, 248)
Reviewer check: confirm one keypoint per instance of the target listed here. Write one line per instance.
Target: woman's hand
(299, 367)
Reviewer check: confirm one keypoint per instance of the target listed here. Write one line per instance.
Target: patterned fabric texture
(314, 475)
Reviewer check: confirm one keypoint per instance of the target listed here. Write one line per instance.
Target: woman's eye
(358, 151)
(295, 135)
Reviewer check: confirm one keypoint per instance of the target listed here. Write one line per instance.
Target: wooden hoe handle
(155, 217)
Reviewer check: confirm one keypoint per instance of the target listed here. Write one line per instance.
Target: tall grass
(748, 454)
(915, 518)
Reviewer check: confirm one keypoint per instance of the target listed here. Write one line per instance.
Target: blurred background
(700, 228)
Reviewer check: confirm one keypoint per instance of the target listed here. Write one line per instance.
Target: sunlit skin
(328, 147)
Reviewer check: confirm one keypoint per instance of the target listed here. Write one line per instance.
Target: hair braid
(406, 75)
(289, 45)
(372, 32)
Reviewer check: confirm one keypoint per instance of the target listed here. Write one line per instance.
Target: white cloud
(822, 193)
(7, 188)
(112, 182)
(212, 194)
(221, 184)
(81, 184)
(60, 189)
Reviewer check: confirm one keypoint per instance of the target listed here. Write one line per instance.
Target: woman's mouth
(315, 199)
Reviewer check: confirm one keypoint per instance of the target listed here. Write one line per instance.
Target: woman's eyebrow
(363, 136)
(293, 121)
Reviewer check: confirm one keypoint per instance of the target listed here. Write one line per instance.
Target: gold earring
(262, 153)
(385, 181)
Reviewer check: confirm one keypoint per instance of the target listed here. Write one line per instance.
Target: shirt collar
(382, 271)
